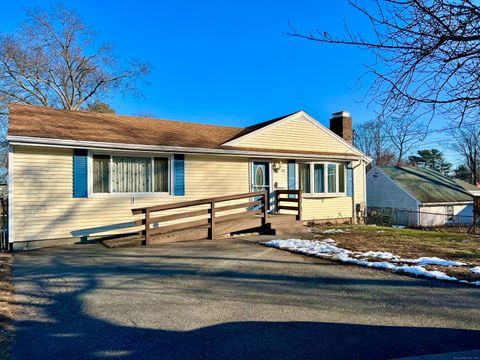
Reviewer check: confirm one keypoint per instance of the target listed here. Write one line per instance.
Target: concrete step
(287, 231)
(297, 227)
(275, 219)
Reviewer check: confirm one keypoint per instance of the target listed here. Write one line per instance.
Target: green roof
(467, 186)
(427, 186)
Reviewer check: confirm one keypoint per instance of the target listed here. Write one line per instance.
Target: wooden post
(212, 220)
(147, 226)
(265, 208)
(299, 215)
(476, 210)
(276, 201)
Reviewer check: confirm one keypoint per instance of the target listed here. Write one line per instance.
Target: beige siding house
(76, 175)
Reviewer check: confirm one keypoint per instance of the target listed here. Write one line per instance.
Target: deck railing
(296, 200)
(254, 203)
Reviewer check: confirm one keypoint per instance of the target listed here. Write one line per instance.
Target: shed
(418, 196)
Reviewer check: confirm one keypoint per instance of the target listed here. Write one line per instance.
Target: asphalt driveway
(229, 299)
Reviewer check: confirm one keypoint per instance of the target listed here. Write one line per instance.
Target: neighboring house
(422, 197)
(75, 174)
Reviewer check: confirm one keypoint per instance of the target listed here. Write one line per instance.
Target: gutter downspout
(354, 212)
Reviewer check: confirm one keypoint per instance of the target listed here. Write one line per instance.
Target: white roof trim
(447, 203)
(295, 116)
(33, 141)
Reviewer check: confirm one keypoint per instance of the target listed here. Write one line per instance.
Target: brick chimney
(341, 124)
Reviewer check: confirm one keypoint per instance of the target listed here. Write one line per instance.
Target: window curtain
(319, 178)
(160, 175)
(101, 173)
(304, 174)
(341, 178)
(131, 174)
(332, 178)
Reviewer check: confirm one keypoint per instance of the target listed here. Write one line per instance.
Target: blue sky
(226, 62)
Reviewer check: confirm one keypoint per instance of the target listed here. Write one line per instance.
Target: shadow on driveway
(62, 323)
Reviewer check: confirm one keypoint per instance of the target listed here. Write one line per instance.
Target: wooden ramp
(122, 241)
(213, 218)
(204, 218)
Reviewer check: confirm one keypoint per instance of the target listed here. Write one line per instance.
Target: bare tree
(404, 133)
(427, 55)
(53, 60)
(372, 139)
(100, 107)
(467, 144)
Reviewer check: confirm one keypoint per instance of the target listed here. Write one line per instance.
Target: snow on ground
(327, 249)
(381, 255)
(333, 231)
(475, 270)
(433, 261)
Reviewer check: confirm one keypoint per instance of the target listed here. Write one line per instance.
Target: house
(76, 175)
(419, 196)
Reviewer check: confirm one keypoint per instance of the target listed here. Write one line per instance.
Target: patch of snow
(380, 254)
(327, 249)
(398, 226)
(475, 270)
(433, 261)
(419, 270)
(333, 231)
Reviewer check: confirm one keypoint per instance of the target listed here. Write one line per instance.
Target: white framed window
(130, 174)
(322, 178)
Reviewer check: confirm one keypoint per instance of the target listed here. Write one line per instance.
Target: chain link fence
(4, 246)
(403, 217)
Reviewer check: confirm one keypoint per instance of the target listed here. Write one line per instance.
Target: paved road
(229, 299)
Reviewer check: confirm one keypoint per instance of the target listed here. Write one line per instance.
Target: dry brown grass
(411, 243)
(6, 305)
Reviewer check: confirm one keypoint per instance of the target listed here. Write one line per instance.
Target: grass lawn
(6, 305)
(410, 243)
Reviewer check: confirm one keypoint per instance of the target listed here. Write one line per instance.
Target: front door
(261, 176)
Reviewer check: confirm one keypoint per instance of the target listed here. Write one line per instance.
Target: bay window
(130, 174)
(304, 175)
(318, 177)
(341, 178)
(327, 178)
(332, 178)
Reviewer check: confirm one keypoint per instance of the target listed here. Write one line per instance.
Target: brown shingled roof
(41, 122)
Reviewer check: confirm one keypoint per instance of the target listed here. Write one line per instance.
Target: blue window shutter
(80, 173)
(179, 174)
(291, 174)
(349, 181)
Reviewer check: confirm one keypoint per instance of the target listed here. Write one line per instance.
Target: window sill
(129, 195)
(321, 196)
